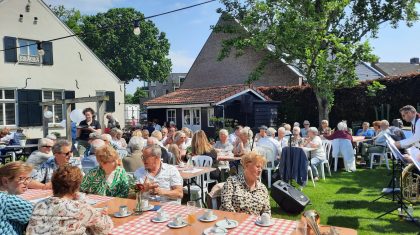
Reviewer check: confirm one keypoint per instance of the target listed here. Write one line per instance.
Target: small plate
(203, 219)
(258, 222)
(156, 220)
(118, 215)
(217, 231)
(173, 225)
(224, 224)
(150, 207)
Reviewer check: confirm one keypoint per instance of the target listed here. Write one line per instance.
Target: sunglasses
(47, 146)
(67, 154)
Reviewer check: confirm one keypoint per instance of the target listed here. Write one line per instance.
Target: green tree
(71, 17)
(321, 38)
(138, 94)
(125, 53)
(128, 99)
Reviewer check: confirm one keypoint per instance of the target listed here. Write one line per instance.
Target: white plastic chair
(326, 144)
(382, 155)
(310, 174)
(268, 153)
(195, 190)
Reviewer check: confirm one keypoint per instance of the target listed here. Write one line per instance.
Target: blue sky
(188, 30)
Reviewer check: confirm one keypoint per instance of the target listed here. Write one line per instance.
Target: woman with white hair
(243, 144)
(283, 140)
(318, 154)
(342, 145)
(324, 129)
(296, 140)
(134, 161)
(223, 147)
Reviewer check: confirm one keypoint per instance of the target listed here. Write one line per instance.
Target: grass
(345, 200)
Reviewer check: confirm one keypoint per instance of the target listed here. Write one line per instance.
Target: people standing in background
(156, 124)
(87, 126)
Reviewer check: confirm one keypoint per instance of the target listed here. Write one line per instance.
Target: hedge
(298, 103)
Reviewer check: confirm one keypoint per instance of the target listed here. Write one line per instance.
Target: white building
(68, 69)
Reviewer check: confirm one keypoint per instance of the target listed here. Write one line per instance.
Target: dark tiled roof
(200, 95)
(208, 71)
(396, 68)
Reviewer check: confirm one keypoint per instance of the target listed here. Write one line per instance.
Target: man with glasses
(159, 178)
(62, 155)
(304, 131)
(42, 154)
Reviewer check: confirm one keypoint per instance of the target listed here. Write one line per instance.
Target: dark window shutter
(29, 110)
(110, 105)
(70, 95)
(11, 54)
(47, 59)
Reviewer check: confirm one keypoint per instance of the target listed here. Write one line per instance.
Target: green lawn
(344, 200)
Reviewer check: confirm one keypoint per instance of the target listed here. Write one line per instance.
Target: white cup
(161, 214)
(178, 220)
(123, 210)
(208, 214)
(145, 204)
(265, 218)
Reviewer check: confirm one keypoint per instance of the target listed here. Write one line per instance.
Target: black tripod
(400, 202)
(391, 185)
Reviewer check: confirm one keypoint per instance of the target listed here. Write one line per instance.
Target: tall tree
(321, 38)
(129, 56)
(71, 17)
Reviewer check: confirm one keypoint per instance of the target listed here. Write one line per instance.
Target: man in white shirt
(409, 114)
(269, 142)
(159, 178)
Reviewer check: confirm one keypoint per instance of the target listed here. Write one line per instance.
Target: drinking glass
(191, 208)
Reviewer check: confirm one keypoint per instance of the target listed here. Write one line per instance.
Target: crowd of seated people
(107, 162)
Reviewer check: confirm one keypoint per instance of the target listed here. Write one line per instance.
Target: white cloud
(181, 61)
(86, 6)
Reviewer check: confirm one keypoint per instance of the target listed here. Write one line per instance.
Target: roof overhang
(241, 93)
(174, 106)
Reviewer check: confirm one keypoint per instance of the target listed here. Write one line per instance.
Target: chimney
(414, 60)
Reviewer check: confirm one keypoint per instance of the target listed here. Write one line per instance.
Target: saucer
(150, 207)
(204, 219)
(157, 220)
(224, 224)
(215, 231)
(118, 215)
(173, 225)
(259, 223)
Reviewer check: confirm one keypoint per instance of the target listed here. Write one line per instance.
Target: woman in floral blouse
(108, 179)
(14, 211)
(244, 193)
(64, 213)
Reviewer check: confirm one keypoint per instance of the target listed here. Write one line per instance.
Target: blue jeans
(315, 162)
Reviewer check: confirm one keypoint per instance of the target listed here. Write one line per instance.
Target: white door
(191, 118)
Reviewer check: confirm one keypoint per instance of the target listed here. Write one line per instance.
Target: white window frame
(169, 119)
(210, 114)
(153, 83)
(28, 58)
(3, 102)
(53, 121)
(194, 117)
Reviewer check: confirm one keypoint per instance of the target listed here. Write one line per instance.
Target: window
(210, 115)
(187, 117)
(7, 107)
(196, 116)
(164, 83)
(171, 115)
(28, 52)
(153, 83)
(152, 93)
(56, 109)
